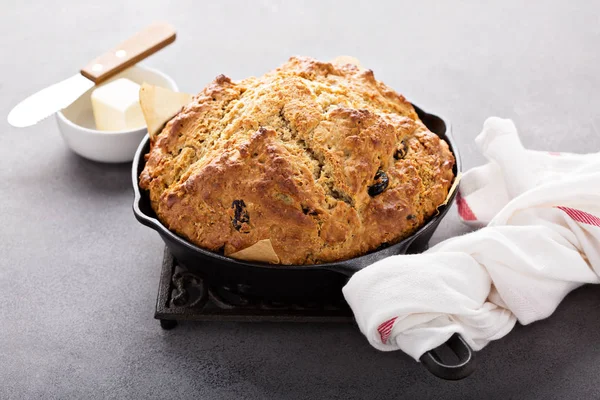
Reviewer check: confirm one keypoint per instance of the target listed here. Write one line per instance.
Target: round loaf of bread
(322, 159)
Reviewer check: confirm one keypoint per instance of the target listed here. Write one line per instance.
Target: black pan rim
(153, 222)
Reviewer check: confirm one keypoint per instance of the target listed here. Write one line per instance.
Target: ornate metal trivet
(184, 295)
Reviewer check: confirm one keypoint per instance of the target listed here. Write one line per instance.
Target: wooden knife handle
(130, 52)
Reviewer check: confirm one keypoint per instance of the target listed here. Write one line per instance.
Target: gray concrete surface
(78, 275)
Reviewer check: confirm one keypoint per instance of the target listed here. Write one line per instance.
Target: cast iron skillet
(311, 282)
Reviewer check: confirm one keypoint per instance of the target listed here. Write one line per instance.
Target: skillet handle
(460, 369)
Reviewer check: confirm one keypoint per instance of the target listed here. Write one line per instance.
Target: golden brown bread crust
(296, 157)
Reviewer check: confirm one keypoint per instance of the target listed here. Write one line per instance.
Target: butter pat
(116, 106)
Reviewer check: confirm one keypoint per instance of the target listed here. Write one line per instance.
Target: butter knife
(58, 96)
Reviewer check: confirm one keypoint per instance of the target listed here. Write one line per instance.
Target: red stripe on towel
(464, 210)
(581, 216)
(554, 153)
(385, 329)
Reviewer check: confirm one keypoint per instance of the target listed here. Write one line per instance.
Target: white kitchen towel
(542, 240)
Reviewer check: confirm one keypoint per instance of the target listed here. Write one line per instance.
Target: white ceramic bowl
(78, 129)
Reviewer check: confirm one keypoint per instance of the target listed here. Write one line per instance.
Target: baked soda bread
(321, 159)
